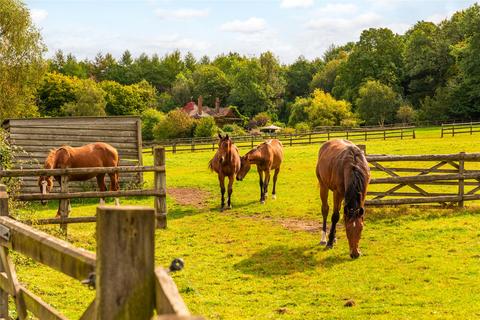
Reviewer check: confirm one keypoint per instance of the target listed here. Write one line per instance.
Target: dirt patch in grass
(189, 197)
(301, 225)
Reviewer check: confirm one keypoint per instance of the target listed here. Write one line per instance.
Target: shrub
(206, 127)
(302, 127)
(150, 118)
(177, 124)
(234, 130)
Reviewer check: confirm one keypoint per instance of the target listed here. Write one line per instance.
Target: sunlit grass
(417, 263)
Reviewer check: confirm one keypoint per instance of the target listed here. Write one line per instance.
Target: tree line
(432, 72)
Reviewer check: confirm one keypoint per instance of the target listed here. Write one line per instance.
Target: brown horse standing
(226, 163)
(266, 156)
(97, 154)
(342, 168)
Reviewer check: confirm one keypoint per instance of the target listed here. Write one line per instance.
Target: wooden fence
(250, 141)
(127, 284)
(416, 179)
(460, 128)
(64, 196)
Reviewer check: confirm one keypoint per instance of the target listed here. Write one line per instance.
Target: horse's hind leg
(260, 176)
(266, 182)
(114, 186)
(102, 186)
(337, 202)
(325, 208)
(230, 191)
(275, 175)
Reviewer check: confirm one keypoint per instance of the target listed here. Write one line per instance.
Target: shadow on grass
(216, 206)
(282, 260)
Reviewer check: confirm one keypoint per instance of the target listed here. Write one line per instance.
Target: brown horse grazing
(97, 154)
(342, 168)
(226, 163)
(266, 156)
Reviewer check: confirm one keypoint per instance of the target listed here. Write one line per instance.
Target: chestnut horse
(97, 154)
(266, 156)
(342, 168)
(226, 163)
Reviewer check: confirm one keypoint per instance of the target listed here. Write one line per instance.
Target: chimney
(200, 105)
(217, 105)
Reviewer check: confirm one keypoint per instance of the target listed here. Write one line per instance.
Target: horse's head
(244, 167)
(46, 185)
(354, 225)
(224, 146)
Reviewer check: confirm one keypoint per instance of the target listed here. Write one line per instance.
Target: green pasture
(265, 262)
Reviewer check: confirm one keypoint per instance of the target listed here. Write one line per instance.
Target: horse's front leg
(114, 185)
(260, 176)
(337, 202)
(275, 175)
(266, 182)
(325, 208)
(231, 179)
(221, 179)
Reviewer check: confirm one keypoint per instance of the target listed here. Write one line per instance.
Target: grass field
(265, 262)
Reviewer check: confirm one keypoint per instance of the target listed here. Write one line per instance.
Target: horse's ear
(226, 137)
(361, 212)
(220, 136)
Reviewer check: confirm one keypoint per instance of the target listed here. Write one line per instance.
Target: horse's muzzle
(43, 202)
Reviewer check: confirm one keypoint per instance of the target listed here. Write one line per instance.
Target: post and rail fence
(250, 141)
(128, 286)
(158, 192)
(459, 128)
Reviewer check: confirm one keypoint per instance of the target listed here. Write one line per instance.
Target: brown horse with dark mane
(97, 154)
(342, 168)
(226, 163)
(266, 156)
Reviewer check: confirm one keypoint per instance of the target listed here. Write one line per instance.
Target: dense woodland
(430, 73)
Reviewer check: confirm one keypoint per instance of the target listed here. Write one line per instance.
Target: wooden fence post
(160, 185)
(401, 134)
(125, 280)
(442, 132)
(471, 128)
(453, 130)
(384, 134)
(64, 203)
(365, 134)
(328, 134)
(3, 212)
(252, 141)
(291, 139)
(174, 150)
(309, 138)
(413, 134)
(363, 148)
(461, 181)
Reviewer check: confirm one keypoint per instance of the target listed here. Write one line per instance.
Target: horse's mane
(358, 179)
(50, 160)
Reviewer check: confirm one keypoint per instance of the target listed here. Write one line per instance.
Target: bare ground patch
(190, 197)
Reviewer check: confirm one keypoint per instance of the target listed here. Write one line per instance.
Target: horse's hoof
(323, 242)
(229, 207)
(329, 246)
(262, 201)
(274, 196)
(221, 209)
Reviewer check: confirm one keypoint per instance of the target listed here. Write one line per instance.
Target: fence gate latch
(4, 233)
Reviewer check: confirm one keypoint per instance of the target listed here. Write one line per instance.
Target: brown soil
(189, 197)
(301, 225)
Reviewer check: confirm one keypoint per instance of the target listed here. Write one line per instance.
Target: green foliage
(210, 82)
(182, 89)
(176, 124)
(298, 76)
(166, 102)
(130, 99)
(377, 103)
(206, 127)
(89, 101)
(324, 110)
(325, 78)
(377, 55)
(260, 120)
(21, 61)
(150, 118)
(55, 91)
(406, 114)
(302, 127)
(234, 130)
(298, 111)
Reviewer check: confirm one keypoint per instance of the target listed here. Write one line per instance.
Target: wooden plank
(125, 237)
(13, 283)
(57, 143)
(4, 289)
(420, 179)
(167, 297)
(72, 120)
(90, 194)
(84, 139)
(161, 186)
(425, 157)
(78, 171)
(67, 220)
(55, 253)
(89, 313)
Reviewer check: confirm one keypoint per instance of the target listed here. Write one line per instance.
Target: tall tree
(298, 76)
(21, 60)
(377, 103)
(210, 82)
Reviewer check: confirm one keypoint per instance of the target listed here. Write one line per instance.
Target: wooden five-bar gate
(128, 286)
(417, 179)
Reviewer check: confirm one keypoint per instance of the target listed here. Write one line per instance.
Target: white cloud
(38, 15)
(181, 13)
(340, 25)
(249, 26)
(296, 4)
(337, 9)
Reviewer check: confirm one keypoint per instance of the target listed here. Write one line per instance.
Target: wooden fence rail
(454, 173)
(127, 285)
(210, 144)
(460, 128)
(158, 192)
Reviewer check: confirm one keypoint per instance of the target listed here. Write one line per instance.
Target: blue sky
(289, 28)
